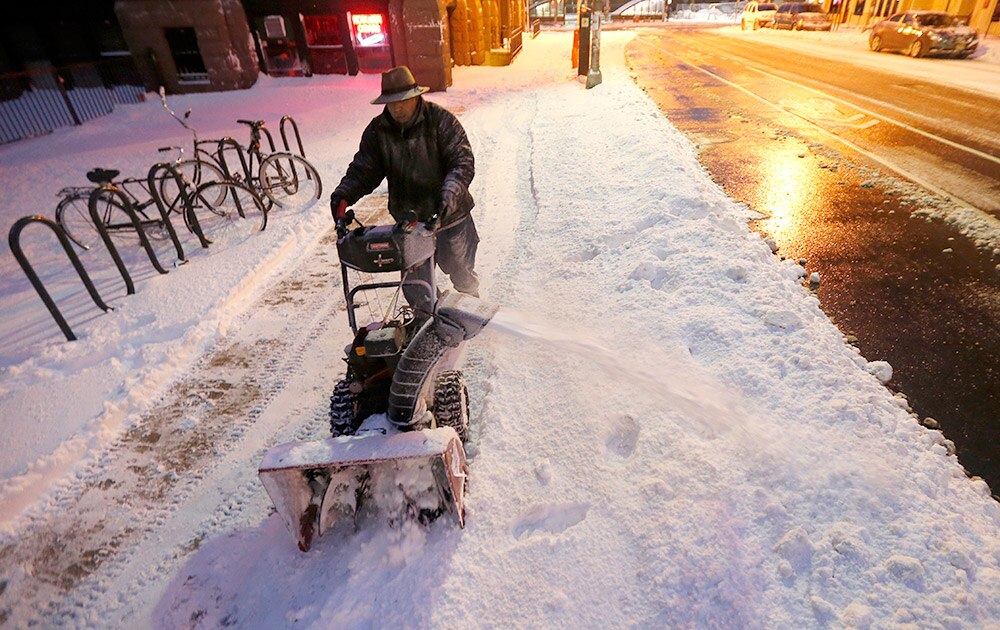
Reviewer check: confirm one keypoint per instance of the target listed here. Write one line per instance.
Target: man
(423, 152)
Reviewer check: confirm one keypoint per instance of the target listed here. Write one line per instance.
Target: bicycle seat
(255, 124)
(102, 175)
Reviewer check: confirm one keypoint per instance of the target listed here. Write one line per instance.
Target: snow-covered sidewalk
(668, 431)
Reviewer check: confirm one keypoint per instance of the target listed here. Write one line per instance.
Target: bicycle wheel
(73, 215)
(227, 211)
(289, 180)
(197, 172)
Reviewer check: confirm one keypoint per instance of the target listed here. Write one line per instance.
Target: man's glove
(338, 207)
(448, 202)
(342, 217)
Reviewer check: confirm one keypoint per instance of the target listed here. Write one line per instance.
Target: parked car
(802, 16)
(919, 33)
(757, 14)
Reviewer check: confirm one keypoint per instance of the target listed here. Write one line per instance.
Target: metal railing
(37, 101)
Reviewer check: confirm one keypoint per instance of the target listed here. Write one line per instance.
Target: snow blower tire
(451, 403)
(343, 409)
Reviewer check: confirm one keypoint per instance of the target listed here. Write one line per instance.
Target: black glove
(448, 202)
(342, 217)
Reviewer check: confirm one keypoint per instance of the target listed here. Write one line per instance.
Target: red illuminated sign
(368, 29)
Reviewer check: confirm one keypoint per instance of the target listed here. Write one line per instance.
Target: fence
(37, 101)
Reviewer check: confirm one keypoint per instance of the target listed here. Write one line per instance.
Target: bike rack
(182, 196)
(270, 138)
(14, 240)
(295, 128)
(230, 142)
(110, 244)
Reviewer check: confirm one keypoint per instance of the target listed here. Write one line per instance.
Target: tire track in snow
(77, 557)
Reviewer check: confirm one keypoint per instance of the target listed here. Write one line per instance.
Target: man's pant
(456, 255)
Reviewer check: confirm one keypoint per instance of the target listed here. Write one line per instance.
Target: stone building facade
(189, 45)
(205, 45)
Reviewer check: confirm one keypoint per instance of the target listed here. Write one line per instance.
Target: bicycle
(73, 209)
(216, 206)
(202, 167)
(282, 177)
(275, 176)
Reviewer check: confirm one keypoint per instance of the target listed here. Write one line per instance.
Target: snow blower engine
(400, 416)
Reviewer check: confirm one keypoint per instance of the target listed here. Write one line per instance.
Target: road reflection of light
(786, 182)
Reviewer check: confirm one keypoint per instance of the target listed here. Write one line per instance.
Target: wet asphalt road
(843, 163)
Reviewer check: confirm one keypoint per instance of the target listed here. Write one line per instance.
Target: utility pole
(594, 76)
(583, 26)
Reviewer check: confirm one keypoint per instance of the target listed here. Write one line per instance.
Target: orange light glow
(790, 181)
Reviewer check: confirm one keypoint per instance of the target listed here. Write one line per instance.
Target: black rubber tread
(451, 402)
(343, 409)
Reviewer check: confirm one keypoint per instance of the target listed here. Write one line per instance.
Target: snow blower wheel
(343, 409)
(451, 403)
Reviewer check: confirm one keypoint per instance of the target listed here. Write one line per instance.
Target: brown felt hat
(398, 84)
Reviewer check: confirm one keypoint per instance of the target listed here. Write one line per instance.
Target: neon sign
(368, 29)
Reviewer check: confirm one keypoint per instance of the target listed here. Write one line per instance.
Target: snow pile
(668, 430)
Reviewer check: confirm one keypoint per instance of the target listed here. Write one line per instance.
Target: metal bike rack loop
(110, 244)
(14, 240)
(182, 196)
(228, 141)
(270, 138)
(295, 128)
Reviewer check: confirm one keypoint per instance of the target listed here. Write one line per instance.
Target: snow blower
(400, 416)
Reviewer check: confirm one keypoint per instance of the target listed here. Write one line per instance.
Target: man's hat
(398, 84)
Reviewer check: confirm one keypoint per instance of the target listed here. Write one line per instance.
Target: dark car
(919, 33)
(802, 16)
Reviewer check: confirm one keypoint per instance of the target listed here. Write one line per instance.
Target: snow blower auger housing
(400, 416)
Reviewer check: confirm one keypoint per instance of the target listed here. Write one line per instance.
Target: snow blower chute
(400, 416)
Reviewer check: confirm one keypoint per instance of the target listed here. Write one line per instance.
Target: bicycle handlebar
(180, 152)
(182, 121)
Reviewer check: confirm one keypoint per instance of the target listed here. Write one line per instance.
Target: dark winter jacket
(428, 164)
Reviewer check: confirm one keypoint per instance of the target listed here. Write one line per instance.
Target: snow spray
(666, 379)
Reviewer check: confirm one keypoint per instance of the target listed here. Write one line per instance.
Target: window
(937, 19)
(325, 45)
(190, 66)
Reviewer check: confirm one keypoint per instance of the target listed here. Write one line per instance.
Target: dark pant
(456, 255)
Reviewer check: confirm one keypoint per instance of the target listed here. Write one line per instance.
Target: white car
(757, 14)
